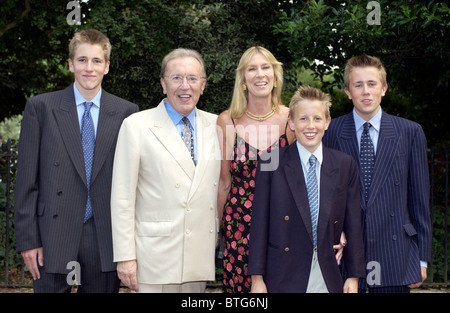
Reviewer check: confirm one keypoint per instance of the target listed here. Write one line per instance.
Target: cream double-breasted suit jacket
(164, 208)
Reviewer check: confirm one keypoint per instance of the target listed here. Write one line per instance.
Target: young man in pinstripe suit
(53, 190)
(395, 204)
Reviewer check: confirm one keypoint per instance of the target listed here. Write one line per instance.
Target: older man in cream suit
(164, 190)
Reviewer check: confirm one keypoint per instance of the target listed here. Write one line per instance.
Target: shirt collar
(375, 121)
(176, 117)
(79, 99)
(305, 154)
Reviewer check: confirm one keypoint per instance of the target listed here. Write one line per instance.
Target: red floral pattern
(237, 214)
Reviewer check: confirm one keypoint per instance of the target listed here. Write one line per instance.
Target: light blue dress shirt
(374, 131)
(179, 124)
(95, 109)
(304, 160)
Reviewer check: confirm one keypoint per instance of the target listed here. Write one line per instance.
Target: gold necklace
(260, 117)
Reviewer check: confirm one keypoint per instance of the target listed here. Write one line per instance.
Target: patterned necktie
(313, 195)
(367, 158)
(88, 142)
(188, 137)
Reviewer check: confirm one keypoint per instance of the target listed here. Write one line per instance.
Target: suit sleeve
(123, 192)
(259, 230)
(418, 193)
(27, 182)
(354, 260)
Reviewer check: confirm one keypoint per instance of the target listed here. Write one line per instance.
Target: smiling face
(89, 66)
(183, 92)
(309, 123)
(365, 89)
(259, 77)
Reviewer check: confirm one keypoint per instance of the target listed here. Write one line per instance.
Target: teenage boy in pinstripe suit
(395, 217)
(52, 188)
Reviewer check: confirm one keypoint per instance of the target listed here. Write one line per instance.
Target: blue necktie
(313, 195)
(188, 137)
(88, 142)
(367, 158)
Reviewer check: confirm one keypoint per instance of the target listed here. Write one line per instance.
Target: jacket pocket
(154, 229)
(410, 230)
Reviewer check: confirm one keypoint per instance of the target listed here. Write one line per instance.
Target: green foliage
(7, 216)
(412, 40)
(141, 33)
(10, 128)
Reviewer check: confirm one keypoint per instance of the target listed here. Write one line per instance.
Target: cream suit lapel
(207, 144)
(168, 136)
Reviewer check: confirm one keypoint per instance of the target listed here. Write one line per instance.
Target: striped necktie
(313, 195)
(88, 142)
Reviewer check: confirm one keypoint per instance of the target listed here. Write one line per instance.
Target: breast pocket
(154, 229)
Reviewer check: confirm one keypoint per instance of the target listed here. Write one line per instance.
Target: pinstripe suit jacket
(396, 222)
(51, 189)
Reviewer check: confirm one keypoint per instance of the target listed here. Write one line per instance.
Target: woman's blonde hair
(239, 101)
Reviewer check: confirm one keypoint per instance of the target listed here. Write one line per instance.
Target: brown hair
(93, 37)
(309, 93)
(364, 60)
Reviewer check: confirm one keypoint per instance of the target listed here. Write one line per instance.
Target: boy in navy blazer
(396, 221)
(291, 246)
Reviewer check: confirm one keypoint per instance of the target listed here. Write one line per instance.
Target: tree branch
(21, 16)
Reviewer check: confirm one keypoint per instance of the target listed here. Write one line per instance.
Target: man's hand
(31, 259)
(127, 272)
(340, 248)
(424, 276)
(258, 285)
(351, 285)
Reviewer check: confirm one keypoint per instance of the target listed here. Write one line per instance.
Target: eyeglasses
(177, 79)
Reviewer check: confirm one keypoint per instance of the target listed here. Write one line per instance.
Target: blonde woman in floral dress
(255, 122)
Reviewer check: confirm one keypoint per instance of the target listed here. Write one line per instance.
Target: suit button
(392, 213)
(394, 237)
(59, 193)
(188, 232)
(286, 218)
(177, 185)
(286, 249)
(56, 164)
(55, 215)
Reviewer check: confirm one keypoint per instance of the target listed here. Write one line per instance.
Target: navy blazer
(51, 187)
(281, 246)
(396, 221)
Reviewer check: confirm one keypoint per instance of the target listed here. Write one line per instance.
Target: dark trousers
(390, 289)
(91, 279)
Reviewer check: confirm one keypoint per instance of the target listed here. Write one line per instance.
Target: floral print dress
(237, 214)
